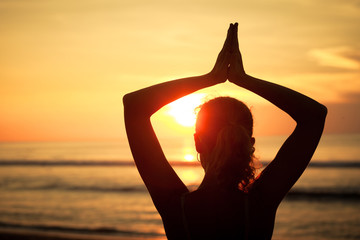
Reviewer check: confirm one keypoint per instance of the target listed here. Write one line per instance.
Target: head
(224, 140)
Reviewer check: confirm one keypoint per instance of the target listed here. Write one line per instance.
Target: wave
(313, 164)
(82, 163)
(120, 189)
(64, 163)
(336, 164)
(91, 231)
(328, 164)
(295, 193)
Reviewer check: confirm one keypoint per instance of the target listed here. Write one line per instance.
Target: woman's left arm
(156, 172)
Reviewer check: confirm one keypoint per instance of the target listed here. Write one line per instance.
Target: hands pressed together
(229, 62)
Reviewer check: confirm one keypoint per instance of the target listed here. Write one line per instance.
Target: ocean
(93, 188)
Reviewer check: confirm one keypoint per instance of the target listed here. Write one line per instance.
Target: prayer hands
(229, 62)
(236, 69)
(220, 71)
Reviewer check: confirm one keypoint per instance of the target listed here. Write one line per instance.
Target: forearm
(149, 100)
(298, 106)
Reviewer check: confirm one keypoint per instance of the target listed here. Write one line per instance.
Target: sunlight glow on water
(190, 176)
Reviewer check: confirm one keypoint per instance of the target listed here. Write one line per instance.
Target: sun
(182, 110)
(189, 157)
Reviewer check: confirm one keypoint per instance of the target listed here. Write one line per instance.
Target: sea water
(94, 188)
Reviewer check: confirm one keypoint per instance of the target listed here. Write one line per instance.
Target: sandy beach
(17, 234)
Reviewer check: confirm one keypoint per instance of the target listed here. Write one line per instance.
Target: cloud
(353, 97)
(338, 57)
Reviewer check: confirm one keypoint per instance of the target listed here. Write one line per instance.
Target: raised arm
(294, 155)
(157, 174)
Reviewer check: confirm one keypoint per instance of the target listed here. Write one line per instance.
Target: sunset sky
(65, 65)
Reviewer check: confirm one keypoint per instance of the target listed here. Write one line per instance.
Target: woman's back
(228, 214)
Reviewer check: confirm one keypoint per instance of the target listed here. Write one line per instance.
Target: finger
(230, 36)
(228, 40)
(236, 55)
(235, 42)
(236, 36)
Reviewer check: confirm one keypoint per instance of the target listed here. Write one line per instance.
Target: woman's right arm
(295, 154)
(158, 175)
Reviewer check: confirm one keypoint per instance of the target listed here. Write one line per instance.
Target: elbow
(322, 112)
(126, 100)
(132, 105)
(318, 116)
(129, 101)
(318, 121)
(314, 120)
(314, 116)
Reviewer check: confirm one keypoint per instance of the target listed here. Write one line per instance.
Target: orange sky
(65, 65)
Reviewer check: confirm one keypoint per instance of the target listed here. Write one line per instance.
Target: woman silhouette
(230, 203)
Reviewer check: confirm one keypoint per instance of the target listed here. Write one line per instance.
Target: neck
(209, 181)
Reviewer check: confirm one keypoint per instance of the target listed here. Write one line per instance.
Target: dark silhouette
(230, 203)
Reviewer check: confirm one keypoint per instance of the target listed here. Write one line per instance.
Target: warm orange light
(189, 157)
(182, 110)
(190, 175)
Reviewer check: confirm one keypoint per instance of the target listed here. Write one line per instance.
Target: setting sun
(183, 109)
(189, 157)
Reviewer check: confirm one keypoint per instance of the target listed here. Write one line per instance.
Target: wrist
(238, 77)
(214, 79)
